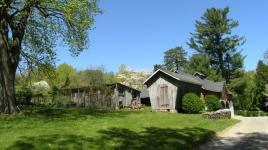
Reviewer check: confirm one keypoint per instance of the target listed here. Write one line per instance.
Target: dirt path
(250, 134)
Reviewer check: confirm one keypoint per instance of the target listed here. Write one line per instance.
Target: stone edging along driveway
(251, 133)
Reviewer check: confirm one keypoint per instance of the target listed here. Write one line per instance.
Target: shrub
(191, 103)
(23, 95)
(212, 103)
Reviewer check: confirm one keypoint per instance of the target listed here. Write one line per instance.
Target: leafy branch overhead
(31, 29)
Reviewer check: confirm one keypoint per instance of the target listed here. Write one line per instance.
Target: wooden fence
(90, 97)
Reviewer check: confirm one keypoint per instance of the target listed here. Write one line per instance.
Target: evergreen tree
(157, 66)
(242, 90)
(213, 37)
(201, 63)
(261, 80)
(175, 58)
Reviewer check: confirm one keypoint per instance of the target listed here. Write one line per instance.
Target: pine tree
(213, 38)
(175, 58)
(261, 80)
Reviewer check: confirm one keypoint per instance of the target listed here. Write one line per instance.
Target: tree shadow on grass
(58, 114)
(152, 138)
(244, 141)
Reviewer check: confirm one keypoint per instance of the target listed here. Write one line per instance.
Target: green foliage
(110, 78)
(213, 38)
(24, 95)
(243, 91)
(90, 77)
(250, 113)
(51, 21)
(68, 77)
(191, 103)
(65, 76)
(212, 102)
(157, 66)
(261, 80)
(175, 58)
(201, 63)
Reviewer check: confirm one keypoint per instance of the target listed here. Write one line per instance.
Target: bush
(24, 95)
(191, 103)
(212, 103)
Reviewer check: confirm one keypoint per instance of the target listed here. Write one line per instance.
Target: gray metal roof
(185, 77)
(182, 76)
(211, 85)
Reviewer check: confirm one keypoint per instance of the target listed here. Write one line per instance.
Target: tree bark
(7, 73)
(9, 58)
(220, 55)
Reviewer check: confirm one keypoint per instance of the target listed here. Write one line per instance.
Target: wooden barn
(106, 96)
(125, 95)
(166, 89)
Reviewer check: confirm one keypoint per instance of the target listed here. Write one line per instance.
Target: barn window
(163, 96)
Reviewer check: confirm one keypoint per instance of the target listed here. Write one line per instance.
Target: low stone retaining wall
(220, 114)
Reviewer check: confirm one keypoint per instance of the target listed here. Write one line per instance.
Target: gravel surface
(249, 134)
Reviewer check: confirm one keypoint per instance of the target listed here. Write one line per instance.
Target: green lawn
(51, 128)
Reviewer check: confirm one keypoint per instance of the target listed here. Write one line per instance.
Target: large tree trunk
(11, 35)
(7, 79)
(9, 58)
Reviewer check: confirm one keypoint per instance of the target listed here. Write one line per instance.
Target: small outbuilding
(113, 96)
(166, 89)
(124, 95)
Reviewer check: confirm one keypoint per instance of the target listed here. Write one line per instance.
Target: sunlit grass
(77, 128)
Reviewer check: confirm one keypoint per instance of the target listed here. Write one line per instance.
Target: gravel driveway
(249, 134)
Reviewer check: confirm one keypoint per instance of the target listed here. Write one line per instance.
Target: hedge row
(251, 113)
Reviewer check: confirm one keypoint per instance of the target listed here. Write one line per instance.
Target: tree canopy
(213, 37)
(201, 63)
(29, 32)
(261, 80)
(175, 58)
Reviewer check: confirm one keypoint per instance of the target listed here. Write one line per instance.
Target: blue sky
(137, 32)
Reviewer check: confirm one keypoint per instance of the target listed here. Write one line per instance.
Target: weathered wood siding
(125, 96)
(129, 98)
(175, 91)
(155, 93)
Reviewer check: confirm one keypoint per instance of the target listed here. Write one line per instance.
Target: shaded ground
(54, 128)
(119, 138)
(250, 134)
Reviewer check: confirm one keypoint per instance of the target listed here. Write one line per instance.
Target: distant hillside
(133, 78)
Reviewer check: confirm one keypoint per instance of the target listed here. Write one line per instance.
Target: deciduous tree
(30, 29)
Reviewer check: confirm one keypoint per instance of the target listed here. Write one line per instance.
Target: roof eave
(170, 76)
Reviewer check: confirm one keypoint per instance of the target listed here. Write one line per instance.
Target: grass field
(54, 128)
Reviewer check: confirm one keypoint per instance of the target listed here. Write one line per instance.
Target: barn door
(163, 96)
